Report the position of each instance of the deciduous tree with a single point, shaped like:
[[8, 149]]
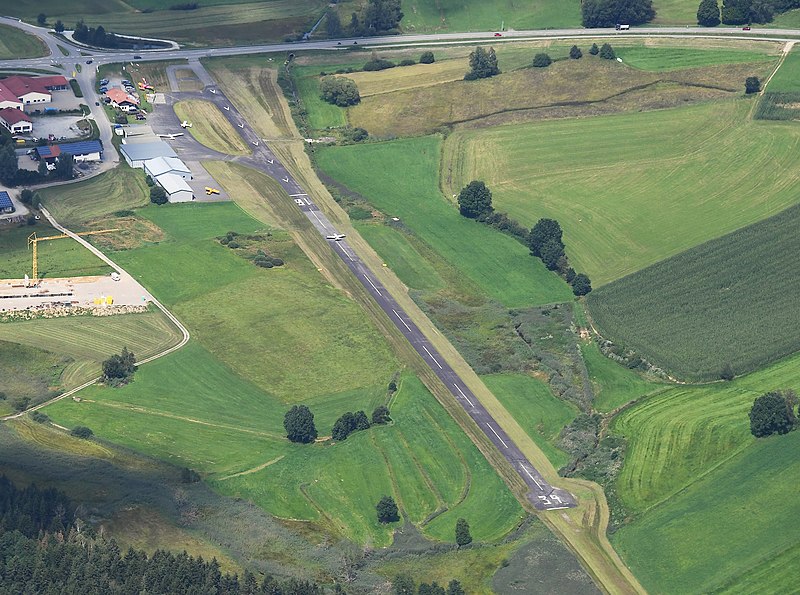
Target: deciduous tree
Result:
[[381, 415], [752, 85], [463, 536], [607, 52], [299, 424], [544, 231], [708, 13], [387, 510], [339, 90], [772, 413], [575, 52], [581, 285], [475, 199], [542, 60], [426, 58], [482, 64]]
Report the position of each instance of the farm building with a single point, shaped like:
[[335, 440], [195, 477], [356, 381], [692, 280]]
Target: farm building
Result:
[[6, 206], [176, 188], [136, 154], [31, 90], [15, 121], [167, 165], [123, 101], [8, 99], [90, 150]]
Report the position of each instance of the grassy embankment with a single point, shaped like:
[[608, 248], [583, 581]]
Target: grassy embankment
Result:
[[691, 467], [217, 22], [726, 302], [210, 127], [204, 406], [16, 44], [630, 181]]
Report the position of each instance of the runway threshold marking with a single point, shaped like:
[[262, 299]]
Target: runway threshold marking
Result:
[[525, 469], [401, 320], [463, 395], [434, 359], [488, 425], [299, 194]]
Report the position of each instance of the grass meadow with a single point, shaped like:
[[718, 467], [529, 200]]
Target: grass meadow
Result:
[[408, 189], [121, 189], [691, 469], [728, 301], [87, 340], [57, 258], [621, 185], [218, 22], [27, 372], [263, 339], [614, 385], [210, 127], [16, 44], [450, 15]]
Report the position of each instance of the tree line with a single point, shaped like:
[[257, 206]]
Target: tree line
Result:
[[376, 18], [545, 239], [300, 427], [11, 175], [46, 548]]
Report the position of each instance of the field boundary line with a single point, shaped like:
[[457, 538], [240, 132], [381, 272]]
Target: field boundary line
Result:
[[99, 253], [253, 470], [787, 48]]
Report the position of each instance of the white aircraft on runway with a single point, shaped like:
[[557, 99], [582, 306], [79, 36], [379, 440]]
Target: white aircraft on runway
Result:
[[271, 161], [227, 109], [170, 136], [213, 91], [186, 124], [241, 125]]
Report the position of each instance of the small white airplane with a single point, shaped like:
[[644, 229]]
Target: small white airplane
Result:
[[241, 125], [286, 180], [214, 91], [255, 142], [170, 136], [271, 161], [186, 124], [335, 237], [227, 109]]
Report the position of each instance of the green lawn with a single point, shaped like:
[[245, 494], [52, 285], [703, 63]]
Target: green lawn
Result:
[[540, 413], [614, 385], [622, 185], [16, 44], [408, 188], [88, 340], [729, 301], [120, 189], [787, 79], [451, 15], [321, 114], [699, 482], [665, 59], [57, 258]]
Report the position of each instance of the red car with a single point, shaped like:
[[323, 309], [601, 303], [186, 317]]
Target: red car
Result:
[[498, 34], [746, 28]]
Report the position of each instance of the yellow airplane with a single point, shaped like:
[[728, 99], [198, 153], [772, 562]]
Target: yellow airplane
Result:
[[211, 190]]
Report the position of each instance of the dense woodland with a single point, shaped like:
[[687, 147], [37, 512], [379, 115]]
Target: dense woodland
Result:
[[45, 548]]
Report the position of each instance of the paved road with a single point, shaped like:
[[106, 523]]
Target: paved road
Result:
[[542, 494]]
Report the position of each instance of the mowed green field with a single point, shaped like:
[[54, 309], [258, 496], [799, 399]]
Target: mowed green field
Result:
[[263, 339], [15, 44], [57, 258], [621, 185], [120, 189], [665, 59], [728, 301], [88, 340], [714, 506], [422, 16], [787, 78], [408, 188]]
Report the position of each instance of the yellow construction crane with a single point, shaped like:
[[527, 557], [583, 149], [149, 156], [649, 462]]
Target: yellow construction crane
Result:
[[34, 241]]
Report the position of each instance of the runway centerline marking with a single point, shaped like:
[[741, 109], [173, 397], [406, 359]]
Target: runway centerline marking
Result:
[[371, 283], [433, 358], [463, 395], [488, 425], [525, 469], [401, 320]]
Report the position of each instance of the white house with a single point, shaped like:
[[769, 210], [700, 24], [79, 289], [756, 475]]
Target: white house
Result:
[[167, 165], [176, 188], [15, 121]]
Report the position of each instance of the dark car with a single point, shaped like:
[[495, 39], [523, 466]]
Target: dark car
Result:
[[137, 57], [97, 103], [89, 61], [746, 28]]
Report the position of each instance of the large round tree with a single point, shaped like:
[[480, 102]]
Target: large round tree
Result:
[[708, 13], [771, 414], [475, 200], [299, 424]]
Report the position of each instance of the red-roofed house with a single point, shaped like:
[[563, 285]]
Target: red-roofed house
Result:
[[8, 99], [15, 120], [120, 99], [30, 90]]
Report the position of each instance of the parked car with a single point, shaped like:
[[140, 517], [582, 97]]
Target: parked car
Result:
[[89, 61], [97, 103], [137, 57]]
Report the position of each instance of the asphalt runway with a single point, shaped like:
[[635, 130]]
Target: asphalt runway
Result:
[[542, 495]]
